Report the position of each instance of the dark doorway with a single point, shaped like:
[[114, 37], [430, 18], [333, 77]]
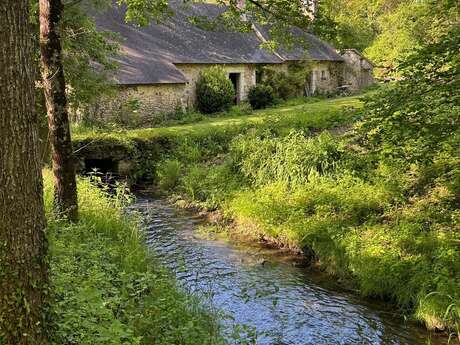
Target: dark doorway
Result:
[[259, 76], [235, 78]]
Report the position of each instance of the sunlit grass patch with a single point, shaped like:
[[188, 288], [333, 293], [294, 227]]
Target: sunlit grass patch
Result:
[[311, 112]]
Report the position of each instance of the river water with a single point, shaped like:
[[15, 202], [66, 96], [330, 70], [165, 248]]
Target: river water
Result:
[[265, 291]]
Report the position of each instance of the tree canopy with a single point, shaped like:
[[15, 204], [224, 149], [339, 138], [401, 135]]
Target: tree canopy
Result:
[[386, 30]]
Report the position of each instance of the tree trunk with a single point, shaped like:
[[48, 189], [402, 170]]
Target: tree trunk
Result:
[[23, 268], [310, 8], [56, 105]]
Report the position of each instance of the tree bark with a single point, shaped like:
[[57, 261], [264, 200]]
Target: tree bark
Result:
[[23, 247], [66, 203], [310, 8]]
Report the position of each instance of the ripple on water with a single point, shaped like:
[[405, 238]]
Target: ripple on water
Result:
[[282, 302]]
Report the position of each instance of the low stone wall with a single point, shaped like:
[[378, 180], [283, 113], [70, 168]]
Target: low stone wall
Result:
[[139, 105], [130, 158]]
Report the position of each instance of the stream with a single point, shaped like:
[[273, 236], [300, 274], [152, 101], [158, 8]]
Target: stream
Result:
[[267, 290]]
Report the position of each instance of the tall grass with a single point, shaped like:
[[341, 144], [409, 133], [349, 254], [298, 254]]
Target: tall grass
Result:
[[392, 232], [106, 287]]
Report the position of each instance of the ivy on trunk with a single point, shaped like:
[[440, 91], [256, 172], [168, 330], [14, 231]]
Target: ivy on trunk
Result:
[[66, 203]]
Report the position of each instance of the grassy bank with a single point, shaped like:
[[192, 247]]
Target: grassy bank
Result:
[[390, 227], [106, 288], [362, 220], [144, 148]]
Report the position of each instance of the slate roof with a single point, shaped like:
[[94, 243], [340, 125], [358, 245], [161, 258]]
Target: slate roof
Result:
[[149, 53], [318, 50]]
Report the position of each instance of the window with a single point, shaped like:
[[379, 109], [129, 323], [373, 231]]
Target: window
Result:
[[323, 75]]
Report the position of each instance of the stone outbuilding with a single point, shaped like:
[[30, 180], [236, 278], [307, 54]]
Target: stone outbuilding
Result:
[[160, 63], [357, 70]]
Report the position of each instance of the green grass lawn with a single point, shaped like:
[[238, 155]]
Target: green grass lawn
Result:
[[310, 113]]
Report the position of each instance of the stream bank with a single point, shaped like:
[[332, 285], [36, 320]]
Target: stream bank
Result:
[[263, 295], [393, 229]]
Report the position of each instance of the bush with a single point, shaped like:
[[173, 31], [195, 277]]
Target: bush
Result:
[[290, 84], [214, 91], [261, 96]]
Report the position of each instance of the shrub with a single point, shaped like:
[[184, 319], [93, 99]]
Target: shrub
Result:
[[168, 173], [261, 96], [290, 84], [214, 91]]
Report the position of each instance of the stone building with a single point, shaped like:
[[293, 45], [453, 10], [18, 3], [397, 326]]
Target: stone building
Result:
[[357, 70], [160, 64]]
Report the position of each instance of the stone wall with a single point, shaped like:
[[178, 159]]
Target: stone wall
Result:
[[139, 105], [158, 98], [358, 71], [325, 76], [146, 105], [192, 72]]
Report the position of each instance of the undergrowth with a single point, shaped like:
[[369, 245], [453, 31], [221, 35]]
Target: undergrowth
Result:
[[107, 289]]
